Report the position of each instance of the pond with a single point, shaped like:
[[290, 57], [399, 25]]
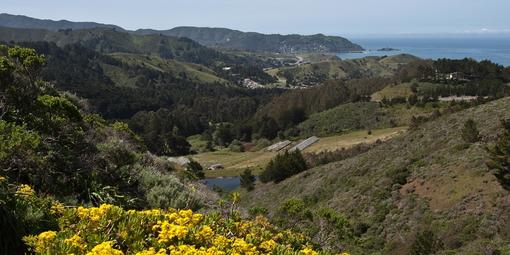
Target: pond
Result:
[[226, 183]]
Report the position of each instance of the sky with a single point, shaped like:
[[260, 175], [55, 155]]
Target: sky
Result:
[[331, 17]]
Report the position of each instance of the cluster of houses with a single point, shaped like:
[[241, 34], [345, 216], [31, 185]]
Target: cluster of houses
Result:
[[251, 84]]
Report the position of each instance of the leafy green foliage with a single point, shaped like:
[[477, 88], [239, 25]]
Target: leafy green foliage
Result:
[[283, 166], [22, 213]]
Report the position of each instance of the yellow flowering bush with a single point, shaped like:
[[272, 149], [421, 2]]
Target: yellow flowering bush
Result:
[[111, 230], [25, 190]]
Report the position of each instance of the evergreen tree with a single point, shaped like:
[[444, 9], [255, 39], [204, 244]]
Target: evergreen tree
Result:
[[283, 166], [499, 153], [196, 169], [470, 133], [248, 180]]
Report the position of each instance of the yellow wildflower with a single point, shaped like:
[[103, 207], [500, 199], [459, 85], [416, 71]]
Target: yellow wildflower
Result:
[[25, 190], [105, 248], [2, 179], [205, 233], [308, 251], [268, 246], [57, 208], [152, 251], [169, 231], [75, 241]]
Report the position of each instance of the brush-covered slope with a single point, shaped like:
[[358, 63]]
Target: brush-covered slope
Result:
[[20, 21], [250, 41], [424, 187]]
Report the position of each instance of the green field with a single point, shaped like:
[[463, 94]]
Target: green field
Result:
[[235, 162]]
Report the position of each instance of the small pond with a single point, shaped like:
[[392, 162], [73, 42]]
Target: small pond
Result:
[[226, 183]]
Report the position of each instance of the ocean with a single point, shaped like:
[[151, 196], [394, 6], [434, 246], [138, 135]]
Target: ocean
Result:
[[494, 49]]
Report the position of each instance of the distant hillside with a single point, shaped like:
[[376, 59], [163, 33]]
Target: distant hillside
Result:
[[251, 41], [108, 40], [219, 37], [20, 21], [315, 73], [425, 186]]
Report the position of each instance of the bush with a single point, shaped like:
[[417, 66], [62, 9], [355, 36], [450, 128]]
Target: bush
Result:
[[195, 169], [23, 212], [236, 146], [111, 230], [247, 180], [499, 153], [165, 191], [470, 133], [283, 166]]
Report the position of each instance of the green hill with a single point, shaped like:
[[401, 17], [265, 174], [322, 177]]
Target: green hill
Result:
[[251, 41], [315, 73], [181, 70], [425, 186], [20, 21]]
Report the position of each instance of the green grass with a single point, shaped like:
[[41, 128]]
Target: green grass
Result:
[[363, 115], [195, 72], [236, 162]]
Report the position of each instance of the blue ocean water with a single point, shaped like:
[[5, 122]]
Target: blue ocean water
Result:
[[495, 49]]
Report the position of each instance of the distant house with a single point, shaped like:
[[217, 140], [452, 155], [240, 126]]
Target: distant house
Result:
[[227, 68], [216, 167]]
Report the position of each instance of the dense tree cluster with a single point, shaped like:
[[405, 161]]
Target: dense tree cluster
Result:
[[283, 166]]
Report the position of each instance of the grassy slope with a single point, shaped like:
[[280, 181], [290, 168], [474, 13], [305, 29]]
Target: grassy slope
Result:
[[361, 115], [194, 72], [448, 188], [402, 90], [236, 162]]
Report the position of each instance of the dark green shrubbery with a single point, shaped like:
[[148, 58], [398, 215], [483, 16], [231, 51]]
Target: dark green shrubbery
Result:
[[284, 166], [470, 133], [248, 180], [499, 153]]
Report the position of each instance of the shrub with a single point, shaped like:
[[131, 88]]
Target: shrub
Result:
[[236, 146], [247, 180], [23, 212], [470, 133], [195, 169], [165, 191], [283, 166], [499, 154], [111, 230]]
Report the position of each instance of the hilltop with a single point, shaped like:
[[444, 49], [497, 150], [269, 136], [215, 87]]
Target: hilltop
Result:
[[21, 21], [251, 41], [425, 181], [217, 37]]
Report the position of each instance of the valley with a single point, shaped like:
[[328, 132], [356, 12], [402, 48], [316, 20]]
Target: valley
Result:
[[199, 140]]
